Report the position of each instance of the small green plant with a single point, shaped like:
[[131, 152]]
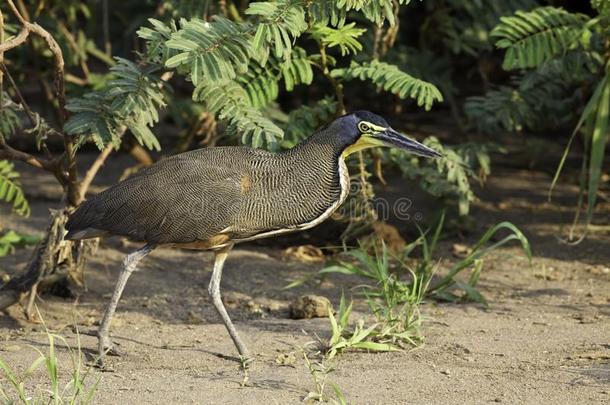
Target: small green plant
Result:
[[75, 391], [395, 301], [11, 239], [442, 288], [361, 337], [320, 369]]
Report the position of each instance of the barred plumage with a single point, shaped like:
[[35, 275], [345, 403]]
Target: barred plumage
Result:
[[234, 191], [213, 198]]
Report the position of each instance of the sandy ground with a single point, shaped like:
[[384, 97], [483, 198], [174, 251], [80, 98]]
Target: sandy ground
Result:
[[543, 338]]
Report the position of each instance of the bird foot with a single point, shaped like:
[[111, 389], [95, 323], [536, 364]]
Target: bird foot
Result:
[[107, 347], [245, 363]]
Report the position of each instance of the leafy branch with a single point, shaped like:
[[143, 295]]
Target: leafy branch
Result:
[[392, 79]]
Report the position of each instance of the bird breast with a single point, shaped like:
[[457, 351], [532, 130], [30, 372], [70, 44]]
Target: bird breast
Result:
[[282, 201]]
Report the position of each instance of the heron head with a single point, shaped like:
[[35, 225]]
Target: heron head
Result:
[[366, 130]]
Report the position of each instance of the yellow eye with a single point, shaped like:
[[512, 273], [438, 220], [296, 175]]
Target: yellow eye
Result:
[[364, 127]]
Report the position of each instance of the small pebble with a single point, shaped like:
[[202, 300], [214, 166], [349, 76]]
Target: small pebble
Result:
[[310, 306]]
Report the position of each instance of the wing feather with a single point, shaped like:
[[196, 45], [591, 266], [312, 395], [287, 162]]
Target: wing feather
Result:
[[183, 199]]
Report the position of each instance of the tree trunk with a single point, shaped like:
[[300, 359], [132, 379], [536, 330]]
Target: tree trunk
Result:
[[56, 265]]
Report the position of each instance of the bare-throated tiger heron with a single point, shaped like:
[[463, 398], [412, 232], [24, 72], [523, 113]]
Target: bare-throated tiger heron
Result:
[[213, 198]]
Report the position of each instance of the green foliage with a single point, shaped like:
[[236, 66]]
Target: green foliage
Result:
[[188, 8], [602, 7], [444, 287], [262, 82], [320, 372], [532, 38], [76, 391], [424, 64], [361, 337], [327, 12], [280, 22], [526, 104], [131, 99], [394, 302], [393, 291], [231, 102], [210, 51], [11, 239], [376, 11], [392, 79], [256, 54], [156, 37], [9, 120], [261, 85], [345, 37], [575, 46], [296, 69], [10, 189]]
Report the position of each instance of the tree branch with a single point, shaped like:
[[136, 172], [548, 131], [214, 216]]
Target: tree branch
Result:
[[93, 169], [6, 152], [15, 41], [69, 156]]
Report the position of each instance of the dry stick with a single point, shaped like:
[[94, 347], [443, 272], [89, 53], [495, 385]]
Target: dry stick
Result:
[[6, 152], [71, 186], [93, 169], [15, 41], [24, 105]]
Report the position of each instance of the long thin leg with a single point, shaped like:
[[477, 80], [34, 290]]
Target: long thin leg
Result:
[[129, 266], [214, 290]]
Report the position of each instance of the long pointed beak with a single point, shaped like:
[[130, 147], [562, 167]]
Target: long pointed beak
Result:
[[395, 139]]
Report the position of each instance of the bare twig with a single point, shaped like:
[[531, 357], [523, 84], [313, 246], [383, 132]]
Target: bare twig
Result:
[[26, 108], [93, 169], [15, 41], [6, 152], [69, 157]]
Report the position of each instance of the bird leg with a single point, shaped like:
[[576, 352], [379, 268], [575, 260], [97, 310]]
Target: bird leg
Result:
[[214, 290], [130, 263]]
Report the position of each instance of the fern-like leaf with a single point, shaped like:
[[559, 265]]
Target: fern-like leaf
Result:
[[262, 82], [9, 120], [327, 12], [376, 11], [296, 69], [280, 23], [131, 99], [346, 37], [216, 50], [156, 37], [392, 79], [531, 38], [230, 102], [10, 189]]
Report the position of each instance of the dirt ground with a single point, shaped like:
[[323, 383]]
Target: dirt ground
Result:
[[543, 338]]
